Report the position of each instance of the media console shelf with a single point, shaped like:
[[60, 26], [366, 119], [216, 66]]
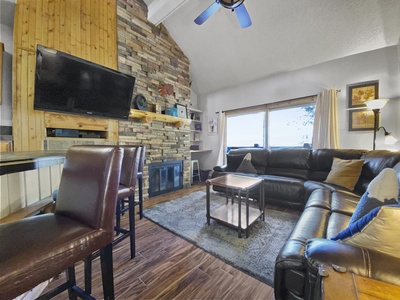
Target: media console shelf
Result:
[[148, 117]]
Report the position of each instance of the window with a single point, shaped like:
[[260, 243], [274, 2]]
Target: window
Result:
[[245, 130], [291, 126]]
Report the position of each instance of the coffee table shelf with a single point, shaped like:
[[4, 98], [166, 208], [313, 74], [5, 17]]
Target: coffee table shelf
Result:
[[229, 215]]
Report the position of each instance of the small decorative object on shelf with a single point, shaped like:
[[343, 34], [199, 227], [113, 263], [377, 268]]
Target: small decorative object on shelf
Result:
[[197, 127], [182, 111], [140, 102], [165, 89]]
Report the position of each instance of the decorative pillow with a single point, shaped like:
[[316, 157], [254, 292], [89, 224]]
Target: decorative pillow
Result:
[[233, 161], [378, 230], [246, 166], [344, 172], [382, 190]]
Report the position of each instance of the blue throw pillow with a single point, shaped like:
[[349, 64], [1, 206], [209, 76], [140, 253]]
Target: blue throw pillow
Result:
[[378, 230], [367, 204]]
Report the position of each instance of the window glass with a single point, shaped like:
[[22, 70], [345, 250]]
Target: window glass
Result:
[[247, 130], [291, 126]]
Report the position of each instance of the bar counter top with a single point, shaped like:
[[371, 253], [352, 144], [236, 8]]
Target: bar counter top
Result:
[[19, 161]]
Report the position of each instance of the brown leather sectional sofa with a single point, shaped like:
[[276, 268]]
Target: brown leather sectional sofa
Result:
[[294, 178]]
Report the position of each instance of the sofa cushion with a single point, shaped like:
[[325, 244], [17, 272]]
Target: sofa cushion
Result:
[[345, 172], [283, 191], [321, 161], [289, 162], [233, 161], [246, 166], [259, 158], [378, 230], [382, 190]]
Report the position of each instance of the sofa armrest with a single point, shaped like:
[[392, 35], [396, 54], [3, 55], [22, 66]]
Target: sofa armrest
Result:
[[222, 168], [357, 260]]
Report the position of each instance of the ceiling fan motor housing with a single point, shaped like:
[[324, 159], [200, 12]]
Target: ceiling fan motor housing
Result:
[[230, 4]]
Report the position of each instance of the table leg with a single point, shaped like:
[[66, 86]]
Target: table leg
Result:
[[233, 196], [208, 184], [247, 213], [240, 214], [226, 194], [263, 201]]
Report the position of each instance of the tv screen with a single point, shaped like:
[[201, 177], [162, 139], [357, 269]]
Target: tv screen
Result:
[[68, 84]]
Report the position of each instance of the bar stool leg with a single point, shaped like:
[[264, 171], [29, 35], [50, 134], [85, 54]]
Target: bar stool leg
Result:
[[107, 272], [140, 181], [71, 279], [132, 225]]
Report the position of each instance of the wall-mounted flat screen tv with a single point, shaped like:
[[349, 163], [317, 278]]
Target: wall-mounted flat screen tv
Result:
[[68, 84]]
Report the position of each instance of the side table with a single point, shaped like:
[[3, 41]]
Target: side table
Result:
[[232, 214]]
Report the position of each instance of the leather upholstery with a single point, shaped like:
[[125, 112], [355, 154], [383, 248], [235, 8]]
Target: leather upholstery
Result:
[[294, 178], [38, 248], [129, 171]]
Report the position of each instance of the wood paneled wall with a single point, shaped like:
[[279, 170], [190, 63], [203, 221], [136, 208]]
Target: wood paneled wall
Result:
[[84, 28]]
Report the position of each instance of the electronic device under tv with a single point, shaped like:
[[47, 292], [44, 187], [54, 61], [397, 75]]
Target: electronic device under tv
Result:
[[68, 84]]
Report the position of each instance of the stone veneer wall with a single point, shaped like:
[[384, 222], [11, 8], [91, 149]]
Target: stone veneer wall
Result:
[[148, 53]]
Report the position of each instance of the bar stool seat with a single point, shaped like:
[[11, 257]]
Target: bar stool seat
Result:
[[192, 170]]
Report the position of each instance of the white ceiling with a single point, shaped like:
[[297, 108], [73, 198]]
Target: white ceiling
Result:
[[285, 35]]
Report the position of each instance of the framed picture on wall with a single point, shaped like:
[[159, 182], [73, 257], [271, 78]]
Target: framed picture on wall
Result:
[[361, 120], [358, 93]]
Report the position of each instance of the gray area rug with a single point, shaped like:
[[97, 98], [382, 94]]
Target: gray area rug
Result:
[[254, 255]]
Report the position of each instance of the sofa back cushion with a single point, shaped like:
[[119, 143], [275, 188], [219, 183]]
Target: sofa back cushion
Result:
[[290, 162], [259, 159], [321, 161], [374, 162]]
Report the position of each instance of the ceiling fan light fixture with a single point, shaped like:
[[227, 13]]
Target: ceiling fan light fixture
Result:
[[231, 4], [235, 5]]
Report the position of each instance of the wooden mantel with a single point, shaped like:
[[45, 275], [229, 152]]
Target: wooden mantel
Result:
[[148, 117]]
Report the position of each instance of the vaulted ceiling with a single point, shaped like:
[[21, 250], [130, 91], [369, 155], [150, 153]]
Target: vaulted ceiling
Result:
[[285, 35]]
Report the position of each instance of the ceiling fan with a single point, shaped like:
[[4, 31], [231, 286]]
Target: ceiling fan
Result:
[[235, 5]]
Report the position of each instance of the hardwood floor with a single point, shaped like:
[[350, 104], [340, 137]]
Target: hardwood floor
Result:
[[168, 267]]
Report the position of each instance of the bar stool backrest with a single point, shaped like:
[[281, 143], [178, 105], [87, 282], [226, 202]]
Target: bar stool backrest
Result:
[[91, 203]]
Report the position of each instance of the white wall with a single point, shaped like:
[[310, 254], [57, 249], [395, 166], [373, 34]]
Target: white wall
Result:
[[6, 37], [379, 65]]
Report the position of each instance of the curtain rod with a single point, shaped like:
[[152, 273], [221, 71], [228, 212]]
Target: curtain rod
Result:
[[265, 104]]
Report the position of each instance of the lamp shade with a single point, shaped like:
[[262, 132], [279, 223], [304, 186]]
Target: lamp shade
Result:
[[376, 104]]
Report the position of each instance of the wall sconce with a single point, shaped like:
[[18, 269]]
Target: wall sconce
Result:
[[376, 105]]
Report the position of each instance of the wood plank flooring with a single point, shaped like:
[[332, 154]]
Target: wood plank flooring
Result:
[[168, 267]]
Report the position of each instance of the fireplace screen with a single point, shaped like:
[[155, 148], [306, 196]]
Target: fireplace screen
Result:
[[165, 177]]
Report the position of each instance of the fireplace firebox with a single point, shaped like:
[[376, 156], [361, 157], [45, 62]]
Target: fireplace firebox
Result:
[[165, 177]]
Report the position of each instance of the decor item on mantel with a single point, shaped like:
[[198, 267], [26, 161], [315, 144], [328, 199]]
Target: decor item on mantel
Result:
[[140, 102], [182, 111], [165, 89]]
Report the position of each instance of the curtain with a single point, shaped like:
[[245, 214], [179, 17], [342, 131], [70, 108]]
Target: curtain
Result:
[[325, 133], [222, 140]]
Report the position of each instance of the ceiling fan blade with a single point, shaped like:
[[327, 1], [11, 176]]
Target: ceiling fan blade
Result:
[[207, 13], [243, 16]]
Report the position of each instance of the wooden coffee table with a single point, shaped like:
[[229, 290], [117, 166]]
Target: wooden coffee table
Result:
[[232, 214]]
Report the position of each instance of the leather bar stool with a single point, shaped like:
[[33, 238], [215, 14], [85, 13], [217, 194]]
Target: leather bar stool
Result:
[[139, 201], [126, 190], [38, 248]]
